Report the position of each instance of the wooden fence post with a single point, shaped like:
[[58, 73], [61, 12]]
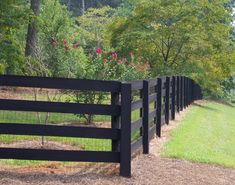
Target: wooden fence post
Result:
[[115, 121], [146, 117], [188, 92], [159, 106], [181, 93], [185, 92], [173, 94], [178, 94], [196, 92], [192, 90], [125, 148], [167, 100], [141, 113]]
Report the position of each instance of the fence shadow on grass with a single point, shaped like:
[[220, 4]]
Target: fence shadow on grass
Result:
[[223, 102], [205, 107]]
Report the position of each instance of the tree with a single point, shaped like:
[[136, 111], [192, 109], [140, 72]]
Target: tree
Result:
[[93, 27], [179, 37], [83, 7], [126, 7], [31, 42], [78, 7], [59, 41]]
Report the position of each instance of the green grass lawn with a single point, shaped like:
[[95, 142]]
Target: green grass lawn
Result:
[[206, 134]]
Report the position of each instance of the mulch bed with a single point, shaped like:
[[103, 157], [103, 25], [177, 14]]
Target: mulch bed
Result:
[[36, 144]]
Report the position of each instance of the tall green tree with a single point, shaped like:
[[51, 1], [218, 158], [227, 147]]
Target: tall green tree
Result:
[[31, 42], [93, 27], [179, 37]]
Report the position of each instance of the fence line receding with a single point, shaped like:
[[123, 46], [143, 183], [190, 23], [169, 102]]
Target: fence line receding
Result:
[[154, 103]]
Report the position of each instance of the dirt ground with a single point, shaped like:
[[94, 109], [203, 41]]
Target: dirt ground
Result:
[[148, 169]]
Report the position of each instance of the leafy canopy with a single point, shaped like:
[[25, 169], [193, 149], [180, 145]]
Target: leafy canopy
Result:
[[183, 37]]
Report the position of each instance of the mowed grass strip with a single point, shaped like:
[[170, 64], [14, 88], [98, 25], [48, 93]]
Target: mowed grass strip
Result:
[[206, 134]]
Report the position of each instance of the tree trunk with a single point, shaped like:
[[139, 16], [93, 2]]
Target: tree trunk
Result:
[[69, 5], [83, 7], [32, 30]]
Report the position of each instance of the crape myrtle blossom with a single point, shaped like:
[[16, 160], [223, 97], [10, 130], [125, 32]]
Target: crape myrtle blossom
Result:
[[99, 51]]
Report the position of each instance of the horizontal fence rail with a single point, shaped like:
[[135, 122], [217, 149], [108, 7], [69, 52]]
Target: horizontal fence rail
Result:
[[154, 102], [40, 106], [59, 155], [60, 83], [62, 131]]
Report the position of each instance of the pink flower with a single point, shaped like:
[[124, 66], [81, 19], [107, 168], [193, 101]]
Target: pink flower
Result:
[[75, 45], [65, 42], [99, 51], [55, 43], [114, 55], [124, 60]]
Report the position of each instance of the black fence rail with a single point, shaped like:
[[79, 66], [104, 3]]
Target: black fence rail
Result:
[[156, 101]]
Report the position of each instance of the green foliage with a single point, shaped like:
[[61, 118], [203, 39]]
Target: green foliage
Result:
[[191, 38], [13, 14], [179, 37], [93, 27], [59, 50], [76, 5], [126, 7], [115, 68], [2, 69], [108, 67], [11, 56]]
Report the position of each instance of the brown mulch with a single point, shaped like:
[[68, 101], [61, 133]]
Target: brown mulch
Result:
[[82, 124], [37, 144], [16, 93], [148, 169], [4, 94]]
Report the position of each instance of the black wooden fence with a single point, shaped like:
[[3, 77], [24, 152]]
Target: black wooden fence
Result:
[[167, 94]]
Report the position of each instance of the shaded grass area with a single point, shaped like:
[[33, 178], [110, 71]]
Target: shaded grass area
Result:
[[27, 117], [206, 134]]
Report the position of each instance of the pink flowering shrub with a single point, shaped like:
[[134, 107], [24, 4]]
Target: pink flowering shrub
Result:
[[114, 67], [110, 67], [65, 57]]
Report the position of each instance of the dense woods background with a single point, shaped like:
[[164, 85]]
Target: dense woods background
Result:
[[120, 39]]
